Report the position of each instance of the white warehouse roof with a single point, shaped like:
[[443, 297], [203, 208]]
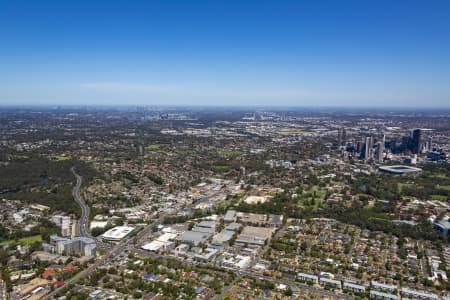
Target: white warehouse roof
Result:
[[117, 233]]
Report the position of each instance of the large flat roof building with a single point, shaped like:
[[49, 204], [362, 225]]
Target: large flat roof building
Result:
[[254, 236], [118, 233], [194, 237]]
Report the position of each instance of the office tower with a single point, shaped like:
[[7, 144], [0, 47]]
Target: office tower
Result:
[[416, 141], [430, 143], [381, 145], [344, 137], [380, 152], [359, 147], [369, 148], [339, 136]]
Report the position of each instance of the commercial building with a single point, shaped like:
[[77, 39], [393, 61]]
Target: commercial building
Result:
[[222, 237], [71, 246], [194, 237], [206, 227], [254, 236], [235, 261], [260, 219], [206, 255], [368, 154], [230, 216], [181, 249], [160, 244], [117, 234], [416, 140]]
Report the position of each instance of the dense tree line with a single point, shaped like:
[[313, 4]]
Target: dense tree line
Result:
[[374, 219], [33, 178]]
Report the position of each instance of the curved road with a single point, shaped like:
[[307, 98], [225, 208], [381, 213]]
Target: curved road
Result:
[[84, 220]]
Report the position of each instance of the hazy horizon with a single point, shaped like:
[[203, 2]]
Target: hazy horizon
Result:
[[257, 53]]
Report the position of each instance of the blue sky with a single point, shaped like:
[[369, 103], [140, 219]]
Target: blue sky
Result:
[[296, 53]]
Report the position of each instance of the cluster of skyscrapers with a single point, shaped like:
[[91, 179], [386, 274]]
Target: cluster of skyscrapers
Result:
[[376, 148]]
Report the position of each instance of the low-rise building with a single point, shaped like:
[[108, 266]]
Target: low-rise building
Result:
[[117, 234], [382, 296], [71, 246], [308, 278], [194, 237], [353, 287], [254, 236], [330, 282], [418, 294], [383, 287]]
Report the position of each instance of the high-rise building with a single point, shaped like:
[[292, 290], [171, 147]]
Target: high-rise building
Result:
[[380, 149], [342, 136], [369, 148], [416, 140], [339, 136], [380, 152], [359, 147]]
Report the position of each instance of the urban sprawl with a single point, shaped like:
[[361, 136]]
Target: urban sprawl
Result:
[[226, 203]]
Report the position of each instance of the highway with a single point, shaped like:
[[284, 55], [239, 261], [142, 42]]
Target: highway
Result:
[[84, 220]]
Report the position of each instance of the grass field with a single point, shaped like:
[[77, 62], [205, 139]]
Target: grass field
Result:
[[442, 176], [439, 197], [153, 147], [28, 240], [401, 185], [221, 168], [308, 195], [443, 187], [61, 157], [231, 152]]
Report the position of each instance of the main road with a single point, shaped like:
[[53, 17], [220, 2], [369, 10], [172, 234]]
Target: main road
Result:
[[84, 220], [110, 255]]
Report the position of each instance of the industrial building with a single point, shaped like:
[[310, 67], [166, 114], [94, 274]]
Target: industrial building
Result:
[[254, 236], [194, 237], [160, 244]]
